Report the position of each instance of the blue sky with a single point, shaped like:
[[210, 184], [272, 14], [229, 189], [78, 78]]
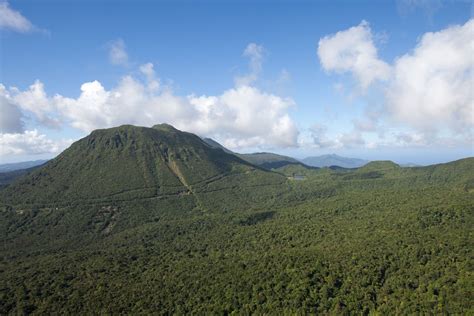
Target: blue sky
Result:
[[256, 76]]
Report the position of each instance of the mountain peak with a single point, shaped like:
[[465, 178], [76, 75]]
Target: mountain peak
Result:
[[165, 127], [380, 165]]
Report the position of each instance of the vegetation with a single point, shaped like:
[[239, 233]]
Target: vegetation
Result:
[[137, 220]]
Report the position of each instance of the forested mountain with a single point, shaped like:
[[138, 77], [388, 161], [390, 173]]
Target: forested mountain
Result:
[[334, 160], [131, 162], [155, 221]]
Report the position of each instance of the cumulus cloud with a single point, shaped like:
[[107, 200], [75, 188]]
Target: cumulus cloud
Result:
[[241, 116], [11, 118], [246, 117], [353, 51], [117, 53], [13, 20], [30, 143], [35, 101], [432, 86], [130, 102], [428, 90]]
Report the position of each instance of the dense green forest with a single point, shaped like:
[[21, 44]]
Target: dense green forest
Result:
[[136, 220]]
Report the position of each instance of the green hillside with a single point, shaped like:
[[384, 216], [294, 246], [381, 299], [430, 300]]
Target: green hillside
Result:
[[134, 220], [129, 162]]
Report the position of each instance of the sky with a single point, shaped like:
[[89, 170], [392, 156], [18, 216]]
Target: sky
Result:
[[378, 80]]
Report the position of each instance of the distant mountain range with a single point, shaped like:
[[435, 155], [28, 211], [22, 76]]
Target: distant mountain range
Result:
[[20, 165], [334, 160], [271, 160], [263, 159]]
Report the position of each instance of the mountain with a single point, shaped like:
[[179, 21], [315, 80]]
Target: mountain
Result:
[[20, 165], [334, 160], [129, 162], [263, 159]]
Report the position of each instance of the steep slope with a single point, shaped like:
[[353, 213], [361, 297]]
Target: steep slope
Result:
[[334, 160], [127, 162], [215, 144]]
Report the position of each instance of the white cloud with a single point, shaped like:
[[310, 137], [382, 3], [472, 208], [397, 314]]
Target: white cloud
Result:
[[35, 100], [149, 72], [319, 137], [429, 91], [410, 139], [353, 51], [131, 102], [242, 116], [30, 143], [11, 117], [246, 117], [117, 53], [432, 87], [255, 54], [13, 20]]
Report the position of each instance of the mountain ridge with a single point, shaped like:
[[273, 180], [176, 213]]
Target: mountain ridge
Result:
[[334, 160]]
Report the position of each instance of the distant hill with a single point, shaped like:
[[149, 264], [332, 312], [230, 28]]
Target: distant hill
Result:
[[269, 160], [9, 176], [20, 165], [334, 160], [262, 159], [379, 165]]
